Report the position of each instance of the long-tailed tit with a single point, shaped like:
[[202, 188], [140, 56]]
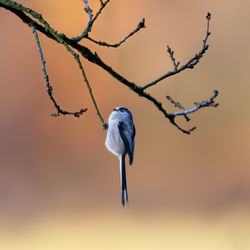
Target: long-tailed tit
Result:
[[120, 141]]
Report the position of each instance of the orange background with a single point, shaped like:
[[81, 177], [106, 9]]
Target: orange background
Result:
[[59, 186]]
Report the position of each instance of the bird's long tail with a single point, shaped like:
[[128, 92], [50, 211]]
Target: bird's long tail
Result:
[[124, 195]]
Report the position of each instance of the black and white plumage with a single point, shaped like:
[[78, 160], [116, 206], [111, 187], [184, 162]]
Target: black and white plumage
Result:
[[120, 141]]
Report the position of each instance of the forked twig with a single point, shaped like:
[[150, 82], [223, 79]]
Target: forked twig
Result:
[[189, 64], [91, 19], [198, 105]]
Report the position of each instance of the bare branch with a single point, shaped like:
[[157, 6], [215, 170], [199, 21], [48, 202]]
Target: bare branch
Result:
[[45, 28], [190, 64], [139, 26], [49, 89], [91, 19], [198, 105]]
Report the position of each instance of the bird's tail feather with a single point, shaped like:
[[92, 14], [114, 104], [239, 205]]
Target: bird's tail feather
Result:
[[124, 195]]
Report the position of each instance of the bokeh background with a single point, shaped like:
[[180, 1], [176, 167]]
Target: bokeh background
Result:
[[59, 186]]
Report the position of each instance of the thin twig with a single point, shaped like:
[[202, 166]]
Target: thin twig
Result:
[[190, 64], [177, 105], [88, 10], [171, 54], [49, 89], [139, 26], [91, 19], [77, 58], [103, 5]]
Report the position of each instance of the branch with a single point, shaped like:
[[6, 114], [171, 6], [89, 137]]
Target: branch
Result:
[[91, 19], [44, 28], [188, 65], [139, 26], [198, 105], [49, 89]]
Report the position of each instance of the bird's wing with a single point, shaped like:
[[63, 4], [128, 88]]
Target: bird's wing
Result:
[[127, 140]]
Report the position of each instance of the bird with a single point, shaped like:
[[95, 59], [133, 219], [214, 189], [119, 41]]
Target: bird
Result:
[[120, 141]]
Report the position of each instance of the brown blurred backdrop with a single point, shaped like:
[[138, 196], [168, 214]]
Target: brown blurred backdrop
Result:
[[59, 186]]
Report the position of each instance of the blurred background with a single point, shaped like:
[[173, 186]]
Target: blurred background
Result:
[[59, 186]]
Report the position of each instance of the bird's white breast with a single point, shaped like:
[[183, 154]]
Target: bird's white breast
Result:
[[114, 141]]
